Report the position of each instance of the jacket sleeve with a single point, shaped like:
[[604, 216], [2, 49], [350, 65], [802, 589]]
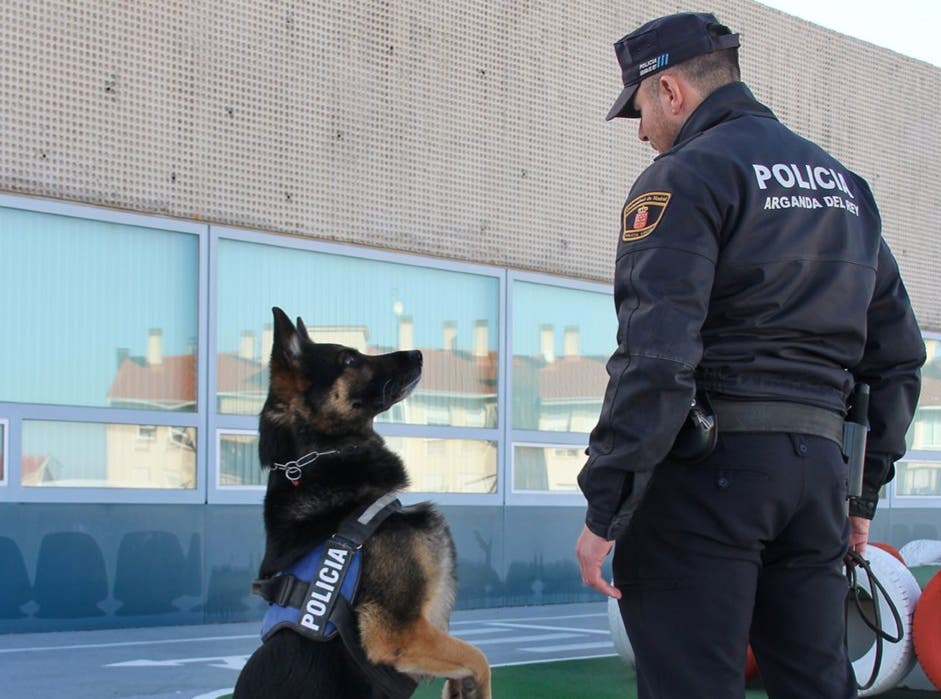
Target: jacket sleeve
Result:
[[891, 365], [663, 280]]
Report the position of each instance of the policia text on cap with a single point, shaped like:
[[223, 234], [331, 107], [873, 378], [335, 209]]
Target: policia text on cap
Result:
[[750, 268]]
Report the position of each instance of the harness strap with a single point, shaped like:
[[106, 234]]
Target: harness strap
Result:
[[394, 684], [286, 590], [778, 416]]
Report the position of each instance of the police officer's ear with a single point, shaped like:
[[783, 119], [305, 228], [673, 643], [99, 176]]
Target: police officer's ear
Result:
[[678, 96]]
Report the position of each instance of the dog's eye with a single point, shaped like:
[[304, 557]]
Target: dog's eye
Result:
[[349, 359]]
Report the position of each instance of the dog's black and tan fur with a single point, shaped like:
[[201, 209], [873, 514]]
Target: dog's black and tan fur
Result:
[[323, 397]]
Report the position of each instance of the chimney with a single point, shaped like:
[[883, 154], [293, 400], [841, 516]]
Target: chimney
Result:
[[123, 353], [247, 345], [449, 342], [480, 339], [547, 343], [570, 342], [155, 347], [267, 340], [406, 333]]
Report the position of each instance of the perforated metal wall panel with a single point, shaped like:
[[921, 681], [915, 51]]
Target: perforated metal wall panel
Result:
[[471, 131]]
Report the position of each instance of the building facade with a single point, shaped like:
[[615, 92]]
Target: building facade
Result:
[[400, 175]]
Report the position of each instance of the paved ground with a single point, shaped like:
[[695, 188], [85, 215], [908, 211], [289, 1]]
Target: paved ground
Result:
[[202, 662]]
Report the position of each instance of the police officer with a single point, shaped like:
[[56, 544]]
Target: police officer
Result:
[[750, 266]]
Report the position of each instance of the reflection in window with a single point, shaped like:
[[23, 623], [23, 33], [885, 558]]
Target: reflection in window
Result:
[[238, 460], [549, 468], [3, 452], [104, 314], [448, 465], [107, 455], [925, 432], [562, 339], [917, 478], [374, 306]]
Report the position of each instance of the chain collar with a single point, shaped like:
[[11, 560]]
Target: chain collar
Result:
[[293, 470]]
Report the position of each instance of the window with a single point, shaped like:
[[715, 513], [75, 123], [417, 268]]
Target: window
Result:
[[554, 469], [448, 465], [100, 379], [238, 460], [919, 473], [104, 313], [373, 305], [561, 338], [106, 455], [447, 430]]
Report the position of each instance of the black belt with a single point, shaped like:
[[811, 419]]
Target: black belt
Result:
[[776, 416]]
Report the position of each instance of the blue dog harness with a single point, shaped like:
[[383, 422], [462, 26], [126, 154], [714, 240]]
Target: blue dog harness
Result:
[[329, 570], [315, 595]]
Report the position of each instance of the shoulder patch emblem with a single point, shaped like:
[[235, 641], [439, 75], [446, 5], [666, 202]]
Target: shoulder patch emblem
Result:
[[642, 214]]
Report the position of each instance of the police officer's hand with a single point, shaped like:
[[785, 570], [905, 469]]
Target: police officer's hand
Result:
[[591, 550], [859, 534]]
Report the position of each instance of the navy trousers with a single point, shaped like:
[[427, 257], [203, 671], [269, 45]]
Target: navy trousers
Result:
[[746, 546]]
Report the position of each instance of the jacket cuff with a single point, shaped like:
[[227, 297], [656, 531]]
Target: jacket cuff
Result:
[[862, 507], [598, 523]]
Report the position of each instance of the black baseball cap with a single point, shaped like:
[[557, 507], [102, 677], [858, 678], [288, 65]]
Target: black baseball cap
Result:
[[661, 44]]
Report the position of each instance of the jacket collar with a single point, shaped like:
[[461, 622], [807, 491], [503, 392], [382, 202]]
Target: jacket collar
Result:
[[723, 104]]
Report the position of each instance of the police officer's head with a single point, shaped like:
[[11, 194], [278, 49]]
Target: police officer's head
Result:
[[668, 66]]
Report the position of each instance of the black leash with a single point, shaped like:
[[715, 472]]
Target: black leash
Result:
[[852, 561]]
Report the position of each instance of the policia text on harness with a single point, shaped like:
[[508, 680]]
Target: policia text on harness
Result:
[[314, 596]]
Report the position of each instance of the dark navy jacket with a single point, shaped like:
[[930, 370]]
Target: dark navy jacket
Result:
[[751, 261]]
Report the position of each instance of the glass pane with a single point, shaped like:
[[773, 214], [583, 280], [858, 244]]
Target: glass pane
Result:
[[917, 478], [925, 432], [3, 453], [562, 339], [373, 306], [551, 468], [97, 314], [104, 455], [448, 465], [238, 460]]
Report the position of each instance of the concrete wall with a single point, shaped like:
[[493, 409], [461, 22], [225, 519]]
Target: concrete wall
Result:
[[472, 131]]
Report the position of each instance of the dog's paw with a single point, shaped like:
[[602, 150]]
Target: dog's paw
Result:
[[464, 688]]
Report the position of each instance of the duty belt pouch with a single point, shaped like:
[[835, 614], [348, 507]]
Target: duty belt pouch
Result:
[[697, 437]]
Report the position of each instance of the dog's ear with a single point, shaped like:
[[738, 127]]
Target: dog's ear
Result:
[[302, 329], [286, 344]]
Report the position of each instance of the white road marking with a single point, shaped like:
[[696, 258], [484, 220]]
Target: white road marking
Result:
[[526, 639], [122, 644], [215, 694], [528, 618], [572, 646], [477, 632], [549, 628], [229, 662]]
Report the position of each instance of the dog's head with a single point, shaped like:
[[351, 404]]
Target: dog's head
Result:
[[329, 389]]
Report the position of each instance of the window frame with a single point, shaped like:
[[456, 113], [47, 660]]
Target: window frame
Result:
[[210, 424], [4, 453], [225, 423], [542, 438], [17, 413]]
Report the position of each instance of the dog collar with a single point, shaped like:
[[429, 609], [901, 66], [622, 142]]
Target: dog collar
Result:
[[293, 470]]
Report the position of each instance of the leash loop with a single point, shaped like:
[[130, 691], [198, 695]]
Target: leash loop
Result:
[[852, 561]]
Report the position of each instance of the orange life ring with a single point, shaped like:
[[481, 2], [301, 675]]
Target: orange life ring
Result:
[[926, 630]]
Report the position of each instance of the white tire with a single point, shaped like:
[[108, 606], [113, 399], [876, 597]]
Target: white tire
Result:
[[922, 552], [898, 659], [622, 644]]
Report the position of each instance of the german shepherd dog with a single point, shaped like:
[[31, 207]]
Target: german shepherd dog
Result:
[[323, 398]]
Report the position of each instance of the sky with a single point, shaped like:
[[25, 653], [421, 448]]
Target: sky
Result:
[[909, 27]]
